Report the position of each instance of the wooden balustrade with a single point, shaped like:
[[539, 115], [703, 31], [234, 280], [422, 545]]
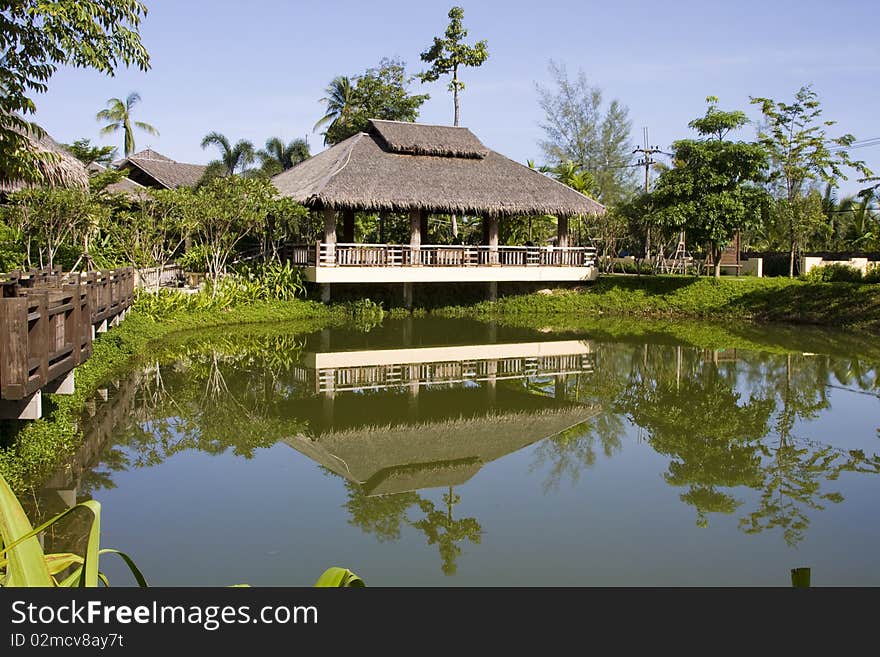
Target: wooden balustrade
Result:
[[48, 320], [439, 255]]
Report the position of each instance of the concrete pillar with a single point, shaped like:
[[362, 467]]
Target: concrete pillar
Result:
[[408, 296], [348, 225], [413, 396], [492, 382], [29, 408], [492, 291], [63, 385], [325, 292], [562, 232], [330, 234]]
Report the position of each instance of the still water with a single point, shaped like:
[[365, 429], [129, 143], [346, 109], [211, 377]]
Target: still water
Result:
[[450, 452]]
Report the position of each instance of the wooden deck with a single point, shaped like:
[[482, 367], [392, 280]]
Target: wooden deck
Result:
[[48, 320]]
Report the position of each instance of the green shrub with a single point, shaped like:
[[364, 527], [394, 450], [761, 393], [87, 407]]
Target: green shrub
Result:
[[195, 259], [365, 314], [834, 273], [873, 275]]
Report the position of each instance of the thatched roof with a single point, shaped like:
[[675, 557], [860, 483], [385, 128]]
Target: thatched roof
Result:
[[393, 459], [58, 169], [126, 186], [402, 166], [152, 169]]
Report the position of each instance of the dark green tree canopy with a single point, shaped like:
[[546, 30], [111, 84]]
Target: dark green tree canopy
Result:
[[37, 36], [712, 191], [450, 53], [232, 157], [380, 93]]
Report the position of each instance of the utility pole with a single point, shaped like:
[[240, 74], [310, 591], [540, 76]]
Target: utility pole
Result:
[[646, 160]]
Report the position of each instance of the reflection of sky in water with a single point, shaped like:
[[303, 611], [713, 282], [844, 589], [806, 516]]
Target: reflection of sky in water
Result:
[[591, 506]]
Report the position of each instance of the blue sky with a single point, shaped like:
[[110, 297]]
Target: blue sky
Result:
[[256, 69]]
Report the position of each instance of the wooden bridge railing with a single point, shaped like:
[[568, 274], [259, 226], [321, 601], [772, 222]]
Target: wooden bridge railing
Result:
[[48, 320], [438, 255]]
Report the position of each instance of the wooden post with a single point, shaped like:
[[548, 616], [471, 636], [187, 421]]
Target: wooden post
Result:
[[348, 225], [562, 232], [423, 215], [72, 322], [13, 347], [415, 236], [493, 240], [330, 235]]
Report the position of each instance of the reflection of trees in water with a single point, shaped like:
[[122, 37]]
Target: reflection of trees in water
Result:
[[717, 438], [385, 515], [209, 397]]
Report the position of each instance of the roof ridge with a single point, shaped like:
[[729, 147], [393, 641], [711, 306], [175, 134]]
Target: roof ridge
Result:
[[426, 125]]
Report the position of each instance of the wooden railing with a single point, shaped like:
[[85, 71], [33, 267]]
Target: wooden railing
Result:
[[48, 320], [438, 255]]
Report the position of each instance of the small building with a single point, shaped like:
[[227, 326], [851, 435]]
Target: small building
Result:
[[151, 169], [420, 170]]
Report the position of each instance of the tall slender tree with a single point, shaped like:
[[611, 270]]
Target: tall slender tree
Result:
[[580, 128], [118, 116], [231, 157], [802, 156], [449, 54]]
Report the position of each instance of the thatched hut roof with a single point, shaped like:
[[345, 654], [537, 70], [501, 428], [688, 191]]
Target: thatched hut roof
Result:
[[152, 169], [397, 458], [397, 166], [59, 169]]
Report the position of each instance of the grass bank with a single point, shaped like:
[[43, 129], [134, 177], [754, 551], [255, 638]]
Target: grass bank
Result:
[[32, 452], [782, 300]]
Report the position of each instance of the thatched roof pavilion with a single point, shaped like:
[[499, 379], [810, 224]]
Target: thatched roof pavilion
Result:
[[57, 167], [399, 167], [150, 168]]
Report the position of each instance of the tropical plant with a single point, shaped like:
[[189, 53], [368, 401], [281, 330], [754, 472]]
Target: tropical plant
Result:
[[231, 157], [339, 103], [36, 36], [23, 562], [448, 54], [118, 116], [50, 219], [278, 156], [379, 93]]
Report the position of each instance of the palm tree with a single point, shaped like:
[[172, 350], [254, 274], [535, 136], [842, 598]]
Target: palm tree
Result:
[[277, 157], [118, 115], [231, 157], [339, 101]]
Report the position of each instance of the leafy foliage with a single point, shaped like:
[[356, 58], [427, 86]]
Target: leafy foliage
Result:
[[712, 190], [834, 273], [802, 155], [232, 158], [379, 93], [37, 36]]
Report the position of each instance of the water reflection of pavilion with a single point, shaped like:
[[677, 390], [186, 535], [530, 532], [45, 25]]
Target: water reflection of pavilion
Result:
[[396, 420]]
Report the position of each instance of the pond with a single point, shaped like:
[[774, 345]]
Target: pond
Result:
[[452, 452]]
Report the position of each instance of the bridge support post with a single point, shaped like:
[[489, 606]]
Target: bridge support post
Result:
[[408, 296], [325, 292], [492, 291]]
